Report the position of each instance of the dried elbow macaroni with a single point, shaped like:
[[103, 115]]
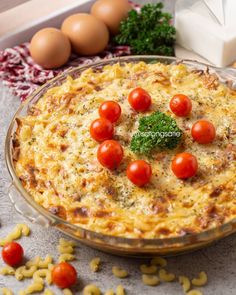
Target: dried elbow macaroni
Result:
[[119, 273], [66, 246], [146, 269], [159, 261], [23, 272], [91, 290], [45, 273], [150, 280], [45, 263], [51, 266], [25, 230], [65, 249], [39, 262], [185, 282], [109, 292], [201, 280], [6, 291], [48, 292], [120, 290], [95, 264], [18, 231], [194, 292], [7, 271], [67, 292], [33, 262], [165, 276], [40, 269], [65, 243], [66, 257], [35, 287]]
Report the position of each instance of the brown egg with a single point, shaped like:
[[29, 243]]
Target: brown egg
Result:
[[111, 12], [88, 35], [50, 48]]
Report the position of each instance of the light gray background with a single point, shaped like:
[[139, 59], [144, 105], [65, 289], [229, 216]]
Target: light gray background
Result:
[[8, 4], [219, 260]]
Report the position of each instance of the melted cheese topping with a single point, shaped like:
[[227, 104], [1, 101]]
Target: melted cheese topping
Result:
[[55, 156]]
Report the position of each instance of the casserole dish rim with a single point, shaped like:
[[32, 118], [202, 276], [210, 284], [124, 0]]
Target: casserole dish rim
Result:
[[177, 242]]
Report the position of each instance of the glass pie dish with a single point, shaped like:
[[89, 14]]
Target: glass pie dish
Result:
[[26, 205]]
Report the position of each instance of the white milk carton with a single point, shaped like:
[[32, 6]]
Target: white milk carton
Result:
[[208, 27]]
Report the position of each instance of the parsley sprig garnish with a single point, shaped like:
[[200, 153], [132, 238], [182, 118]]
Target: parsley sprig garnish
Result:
[[148, 32], [156, 131]]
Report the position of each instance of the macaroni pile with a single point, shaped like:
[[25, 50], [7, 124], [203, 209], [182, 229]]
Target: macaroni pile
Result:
[[39, 270]]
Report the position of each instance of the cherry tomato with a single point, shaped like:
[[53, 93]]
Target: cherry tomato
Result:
[[110, 110], [203, 131], [12, 254], [139, 99], [110, 154], [101, 129], [181, 105], [184, 165], [64, 275], [139, 172]]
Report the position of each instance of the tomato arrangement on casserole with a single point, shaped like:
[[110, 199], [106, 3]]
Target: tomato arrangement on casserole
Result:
[[134, 150]]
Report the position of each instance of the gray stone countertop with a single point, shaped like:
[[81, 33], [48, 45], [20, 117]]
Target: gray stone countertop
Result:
[[218, 261]]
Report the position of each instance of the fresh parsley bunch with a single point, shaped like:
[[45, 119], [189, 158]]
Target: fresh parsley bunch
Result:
[[156, 131], [148, 32]]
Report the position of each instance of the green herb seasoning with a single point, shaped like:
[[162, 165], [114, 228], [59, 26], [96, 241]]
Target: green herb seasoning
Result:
[[148, 32], [157, 131]]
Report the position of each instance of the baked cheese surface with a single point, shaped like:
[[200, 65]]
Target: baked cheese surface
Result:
[[56, 159]]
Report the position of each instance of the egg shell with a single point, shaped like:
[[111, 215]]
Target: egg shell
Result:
[[88, 35], [111, 12], [50, 48]]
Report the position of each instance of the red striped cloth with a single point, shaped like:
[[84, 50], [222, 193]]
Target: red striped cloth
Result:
[[22, 75]]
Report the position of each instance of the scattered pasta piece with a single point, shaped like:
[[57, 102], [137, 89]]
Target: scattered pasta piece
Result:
[[185, 282], [201, 280], [165, 276], [18, 273], [150, 280], [2, 242], [6, 291], [66, 246], [7, 271], [194, 292], [28, 273], [48, 292], [146, 269], [33, 288], [120, 290], [95, 264], [14, 235], [109, 292], [33, 262], [17, 232], [67, 292], [51, 266], [45, 273], [159, 261], [44, 263], [66, 257], [65, 243], [91, 290], [22, 272], [119, 272], [25, 230], [65, 249]]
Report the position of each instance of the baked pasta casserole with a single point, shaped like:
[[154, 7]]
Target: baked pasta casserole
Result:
[[55, 156]]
